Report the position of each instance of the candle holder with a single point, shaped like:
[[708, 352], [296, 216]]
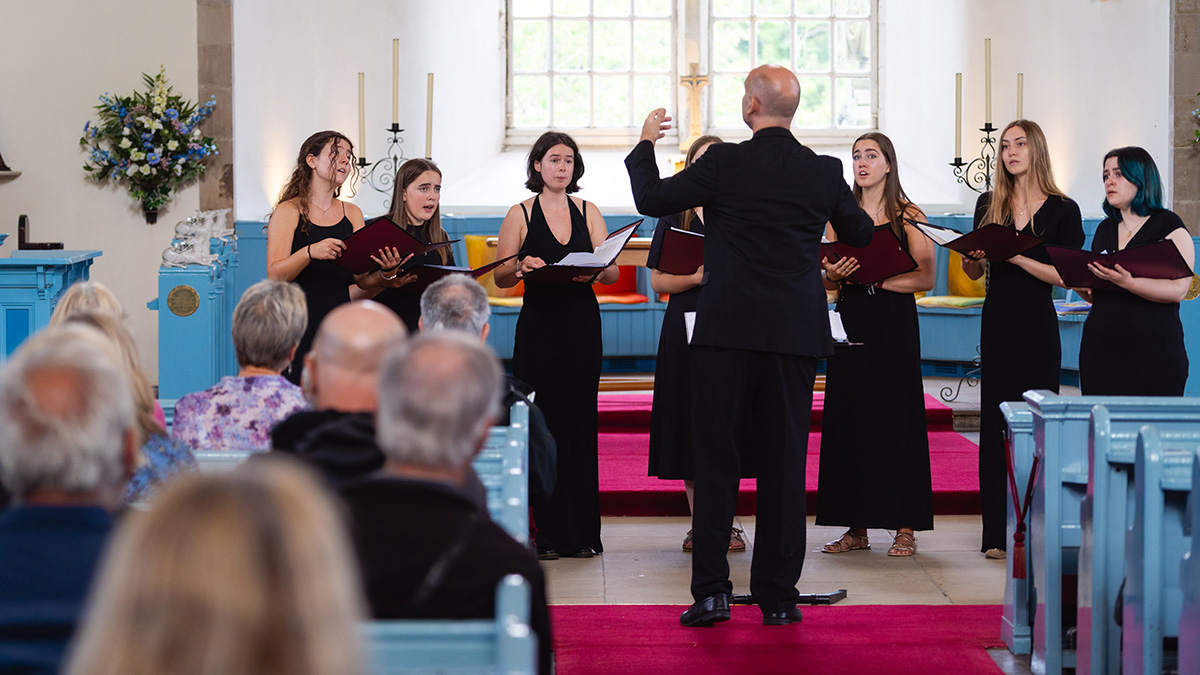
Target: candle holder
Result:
[[382, 174], [977, 173]]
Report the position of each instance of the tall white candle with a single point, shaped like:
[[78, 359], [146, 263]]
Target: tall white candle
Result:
[[1020, 95], [362, 120], [957, 115], [987, 81], [429, 118], [395, 82]]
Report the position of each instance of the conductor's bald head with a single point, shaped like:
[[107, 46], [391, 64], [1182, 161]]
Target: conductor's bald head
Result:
[[342, 369], [772, 96]]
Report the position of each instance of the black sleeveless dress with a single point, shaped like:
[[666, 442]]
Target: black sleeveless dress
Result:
[[325, 284], [1132, 346], [1019, 350], [874, 440], [557, 351], [405, 303]]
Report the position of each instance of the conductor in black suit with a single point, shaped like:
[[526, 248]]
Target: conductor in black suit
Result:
[[760, 327]]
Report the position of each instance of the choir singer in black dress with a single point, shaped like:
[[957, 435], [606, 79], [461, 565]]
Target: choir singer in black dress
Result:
[[875, 473], [761, 324], [557, 348], [306, 231], [1133, 338], [1019, 347], [671, 416]]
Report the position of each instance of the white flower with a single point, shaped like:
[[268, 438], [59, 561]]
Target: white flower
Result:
[[172, 145], [145, 170], [155, 125], [137, 155], [133, 168], [125, 131], [126, 143], [178, 169], [195, 133]]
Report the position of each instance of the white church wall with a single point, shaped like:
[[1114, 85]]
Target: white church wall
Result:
[[295, 73], [1095, 78], [59, 56]]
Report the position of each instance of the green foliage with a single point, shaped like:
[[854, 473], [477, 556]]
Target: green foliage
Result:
[[150, 140]]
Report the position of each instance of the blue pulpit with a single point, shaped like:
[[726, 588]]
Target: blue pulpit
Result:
[[31, 282]]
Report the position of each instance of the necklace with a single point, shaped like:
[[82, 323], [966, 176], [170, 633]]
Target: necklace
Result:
[[1131, 230], [324, 210]]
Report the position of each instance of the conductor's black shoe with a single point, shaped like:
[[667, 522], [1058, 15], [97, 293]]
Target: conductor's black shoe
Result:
[[584, 552], [782, 618], [706, 612], [547, 554]]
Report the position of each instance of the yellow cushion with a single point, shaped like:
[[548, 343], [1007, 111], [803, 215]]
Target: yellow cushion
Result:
[[480, 254], [958, 282], [955, 301], [506, 302]]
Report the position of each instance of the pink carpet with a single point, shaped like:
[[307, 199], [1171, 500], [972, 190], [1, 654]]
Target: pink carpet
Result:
[[637, 639], [626, 490]]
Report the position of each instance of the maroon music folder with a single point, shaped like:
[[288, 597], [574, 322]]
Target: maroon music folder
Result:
[[428, 274], [682, 252], [1160, 260], [380, 233], [581, 263], [997, 241], [883, 257]]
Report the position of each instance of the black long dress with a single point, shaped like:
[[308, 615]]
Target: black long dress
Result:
[[1132, 346], [557, 351], [1019, 350], [325, 284], [671, 415], [405, 303], [874, 441]]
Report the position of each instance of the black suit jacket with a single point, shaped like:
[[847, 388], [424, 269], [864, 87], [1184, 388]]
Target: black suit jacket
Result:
[[766, 202]]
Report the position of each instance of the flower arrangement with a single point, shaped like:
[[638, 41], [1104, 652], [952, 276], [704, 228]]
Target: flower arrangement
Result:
[[151, 140]]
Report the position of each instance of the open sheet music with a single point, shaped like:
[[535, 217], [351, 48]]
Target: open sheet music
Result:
[[883, 257], [582, 263], [380, 233], [428, 274], [997, 241], [1160, 260]]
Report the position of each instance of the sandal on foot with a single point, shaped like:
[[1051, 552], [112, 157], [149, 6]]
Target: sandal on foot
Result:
[[687, 542], [847, 542], [904, 545], [737, 543]]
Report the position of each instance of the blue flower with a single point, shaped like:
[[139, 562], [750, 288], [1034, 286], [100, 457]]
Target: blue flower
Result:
[[172, 113]]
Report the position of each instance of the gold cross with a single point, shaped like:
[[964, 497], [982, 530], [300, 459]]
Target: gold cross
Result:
[[694, 82]]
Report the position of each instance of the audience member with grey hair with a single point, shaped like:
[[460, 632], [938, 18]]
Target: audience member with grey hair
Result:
[[438, 394], [458, 303], [239, 412], [68, 445]]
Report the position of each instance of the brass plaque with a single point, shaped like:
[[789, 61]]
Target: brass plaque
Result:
[[183, 300]]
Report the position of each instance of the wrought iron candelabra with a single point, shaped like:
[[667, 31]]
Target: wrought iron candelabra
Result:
[[382, 174], [977, 173]]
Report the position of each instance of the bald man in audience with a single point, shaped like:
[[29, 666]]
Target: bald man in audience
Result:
[[760, 326], [68, 445], [457, 302], [340, 381], [438, 395]]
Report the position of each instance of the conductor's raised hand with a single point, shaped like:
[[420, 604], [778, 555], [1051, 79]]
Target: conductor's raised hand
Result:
[[656, 125], [839, 270], [529, 264], [327, 249]]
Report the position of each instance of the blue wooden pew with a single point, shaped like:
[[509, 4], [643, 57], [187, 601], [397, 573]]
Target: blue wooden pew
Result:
[[502, 466], [1016, 623], [1154, 550], [504, 644], [1189, 615], [1105, 513]]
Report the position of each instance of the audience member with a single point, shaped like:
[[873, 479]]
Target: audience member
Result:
[[238, 412], [68, 445], [457, 302], [438, 394], [340, 372], [163, 458], [244, 573]]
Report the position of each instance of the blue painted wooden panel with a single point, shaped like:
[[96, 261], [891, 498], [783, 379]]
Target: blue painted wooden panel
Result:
[[1189, 615], [31, 283], [189, 347], [1016, 623], [18, 326]]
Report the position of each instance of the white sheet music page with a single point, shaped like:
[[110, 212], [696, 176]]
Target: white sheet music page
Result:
[[836, 327]]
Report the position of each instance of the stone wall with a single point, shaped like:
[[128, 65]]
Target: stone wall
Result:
[[1185, 82], [214, 33]]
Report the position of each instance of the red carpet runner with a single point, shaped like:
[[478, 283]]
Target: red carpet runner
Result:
[[636, 639], [626, 490]]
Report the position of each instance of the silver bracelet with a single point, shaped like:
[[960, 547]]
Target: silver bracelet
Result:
[[387, 278]]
